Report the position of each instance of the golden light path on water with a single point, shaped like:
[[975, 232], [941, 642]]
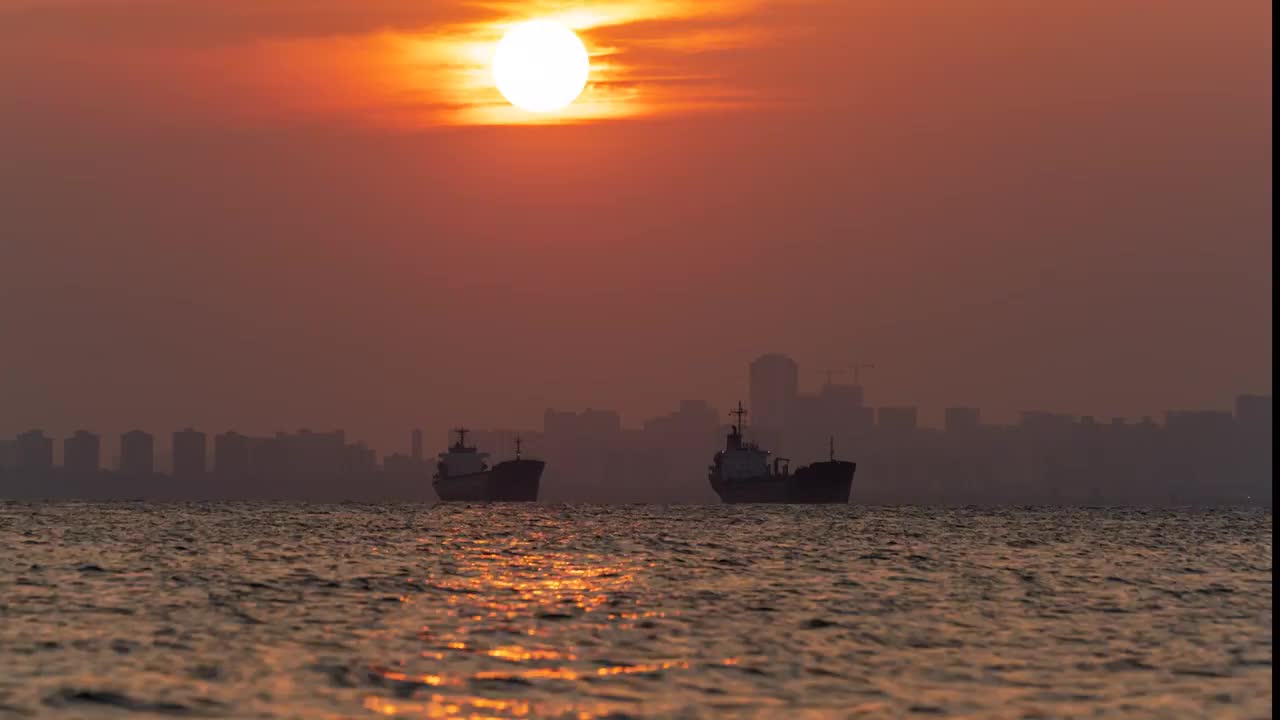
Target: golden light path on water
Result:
[[500, 585]]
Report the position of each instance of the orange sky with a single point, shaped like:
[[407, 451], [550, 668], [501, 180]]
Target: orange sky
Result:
[[213, 210], [407, 66]]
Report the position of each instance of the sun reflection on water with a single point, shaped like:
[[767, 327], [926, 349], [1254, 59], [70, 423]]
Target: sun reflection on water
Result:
[[477, 708], [510, 628]]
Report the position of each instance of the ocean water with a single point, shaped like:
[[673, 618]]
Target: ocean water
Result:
[[280, 611]]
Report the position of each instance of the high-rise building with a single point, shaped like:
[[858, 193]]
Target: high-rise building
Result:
[[897, 419], [1198, 421], [190, 454], [82, 452], [358, 458], [35, 451], [308, 453], [775, 383], [1253, 420], [842, 411], [416, 445], [231, 455], [8, 454], [396, 463], [268, 457], [1253, 413], [589, 428], [696, 423], [961, 419], [1046, 423], [137, 453]]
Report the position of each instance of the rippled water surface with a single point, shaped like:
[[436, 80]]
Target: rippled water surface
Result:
[[585, 612]]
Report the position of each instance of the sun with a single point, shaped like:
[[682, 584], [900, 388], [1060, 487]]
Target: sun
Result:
[[541, 66]]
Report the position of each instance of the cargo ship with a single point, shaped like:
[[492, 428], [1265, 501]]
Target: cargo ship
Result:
[[463, 475], [743, 473]]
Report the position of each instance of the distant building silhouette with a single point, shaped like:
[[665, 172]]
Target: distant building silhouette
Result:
[[843, 408], [305, 464], [401, 464], [695, 417], [1192, 422], [774, 386], [359, 458], [412, 464], [1253, 412], [666, 460], [82, 452], [844, 401], [1253, 415], [587, 427], [415, 446], [837, 411], [310, 452], [35, 451], [1200, 456], [190, 454], [267, 457], [1045, 423], [231, 455], [8, 454], [962, 419], [584, 451], [901, 420], [137, 453]]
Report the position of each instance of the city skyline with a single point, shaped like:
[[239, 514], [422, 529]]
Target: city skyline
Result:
[[921, 418], [809, 383], [1184, 456]]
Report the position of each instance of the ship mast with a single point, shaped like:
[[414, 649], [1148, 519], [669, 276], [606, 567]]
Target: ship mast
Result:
[[462, 436], [740, 413]]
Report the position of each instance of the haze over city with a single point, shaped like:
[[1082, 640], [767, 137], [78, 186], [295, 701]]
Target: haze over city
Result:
[[260, 217]]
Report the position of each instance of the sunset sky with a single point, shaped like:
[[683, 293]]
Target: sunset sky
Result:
[[267, 214]]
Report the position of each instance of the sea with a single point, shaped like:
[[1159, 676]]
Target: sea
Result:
[[585, 612]]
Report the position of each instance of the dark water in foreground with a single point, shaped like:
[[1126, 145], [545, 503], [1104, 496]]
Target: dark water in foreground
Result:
[[585, 612]]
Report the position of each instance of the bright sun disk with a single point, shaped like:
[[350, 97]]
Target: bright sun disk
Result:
[[541, 66]]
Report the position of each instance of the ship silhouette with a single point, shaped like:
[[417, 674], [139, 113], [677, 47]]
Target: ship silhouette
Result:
[[742, 473], [463, 475]]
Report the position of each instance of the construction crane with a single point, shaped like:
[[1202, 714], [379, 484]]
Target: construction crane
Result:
[[856, 369]]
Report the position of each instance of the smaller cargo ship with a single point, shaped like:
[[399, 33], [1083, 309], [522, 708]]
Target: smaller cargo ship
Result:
[[463, 475], [742, 473]]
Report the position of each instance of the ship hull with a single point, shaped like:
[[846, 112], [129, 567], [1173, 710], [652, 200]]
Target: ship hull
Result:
[[510, 481], [822, 483]]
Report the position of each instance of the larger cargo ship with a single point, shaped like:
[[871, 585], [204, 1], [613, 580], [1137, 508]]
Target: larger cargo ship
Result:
[[743, 473], [463, 475]]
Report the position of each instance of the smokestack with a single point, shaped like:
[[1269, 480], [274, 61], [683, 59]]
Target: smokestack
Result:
[[417, 445]]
